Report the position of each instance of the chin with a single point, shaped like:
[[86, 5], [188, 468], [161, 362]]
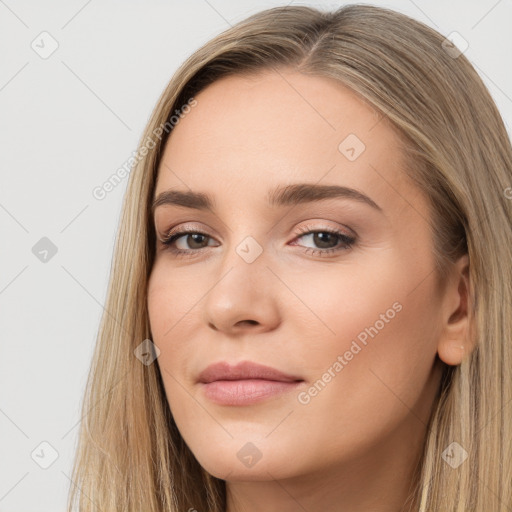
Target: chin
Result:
[[243, 461]]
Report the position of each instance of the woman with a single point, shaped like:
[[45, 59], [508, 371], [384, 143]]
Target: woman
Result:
[[310, 302]]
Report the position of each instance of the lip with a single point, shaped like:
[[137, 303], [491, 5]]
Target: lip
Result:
[[244, 383], [243, 370]]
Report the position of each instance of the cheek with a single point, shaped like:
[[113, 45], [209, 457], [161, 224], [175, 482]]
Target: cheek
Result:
[[174, 310], [336, 306], [384, 330], [167, 311], [173, 300], [163, 331]]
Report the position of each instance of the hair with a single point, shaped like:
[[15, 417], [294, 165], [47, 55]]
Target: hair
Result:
[[130, 454]]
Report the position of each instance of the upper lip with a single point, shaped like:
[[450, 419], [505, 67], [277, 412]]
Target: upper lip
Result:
[[243, 370]]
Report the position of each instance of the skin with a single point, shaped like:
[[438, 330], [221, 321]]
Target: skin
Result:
[[358, 440]]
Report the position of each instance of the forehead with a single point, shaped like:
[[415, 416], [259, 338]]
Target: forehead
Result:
[[256, 132]]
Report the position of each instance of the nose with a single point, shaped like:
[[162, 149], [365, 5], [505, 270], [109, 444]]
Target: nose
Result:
[[245, 295]]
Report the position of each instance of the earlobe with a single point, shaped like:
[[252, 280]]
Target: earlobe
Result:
[[455, 341], [451, 352]]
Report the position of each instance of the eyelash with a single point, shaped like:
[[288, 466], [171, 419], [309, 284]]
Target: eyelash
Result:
[[346, 240]]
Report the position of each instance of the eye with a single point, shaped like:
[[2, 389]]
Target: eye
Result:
[[327, 240], [189, 241], [192, 241]]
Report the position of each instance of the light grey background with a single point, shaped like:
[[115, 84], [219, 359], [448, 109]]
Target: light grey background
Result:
[[68, 122]]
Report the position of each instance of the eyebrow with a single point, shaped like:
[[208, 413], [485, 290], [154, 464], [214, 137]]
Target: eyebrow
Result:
[[295, 194]]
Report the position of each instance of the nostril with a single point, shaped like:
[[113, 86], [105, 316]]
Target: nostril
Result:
[[251, 322]]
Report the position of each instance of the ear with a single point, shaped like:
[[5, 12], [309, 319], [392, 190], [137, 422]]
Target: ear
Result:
[[455, 341]]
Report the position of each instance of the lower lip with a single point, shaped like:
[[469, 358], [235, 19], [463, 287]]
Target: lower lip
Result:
[[245, 392]]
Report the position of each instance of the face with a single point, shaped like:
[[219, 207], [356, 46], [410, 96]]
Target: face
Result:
[[313, 257]]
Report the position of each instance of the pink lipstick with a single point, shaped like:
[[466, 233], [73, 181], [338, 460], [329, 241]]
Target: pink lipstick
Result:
[[245, 383]]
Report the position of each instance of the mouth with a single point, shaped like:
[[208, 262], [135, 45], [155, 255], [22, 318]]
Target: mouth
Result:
[[245, 383]]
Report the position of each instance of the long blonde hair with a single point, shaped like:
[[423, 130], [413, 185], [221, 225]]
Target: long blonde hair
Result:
[[130, 455]]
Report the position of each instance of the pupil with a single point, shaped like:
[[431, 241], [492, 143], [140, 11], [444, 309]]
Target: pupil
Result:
[[195, 236], [322, 238]]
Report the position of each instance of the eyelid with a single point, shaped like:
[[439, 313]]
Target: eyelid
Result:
[[346, 230], [303, 229], [185, 227]]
